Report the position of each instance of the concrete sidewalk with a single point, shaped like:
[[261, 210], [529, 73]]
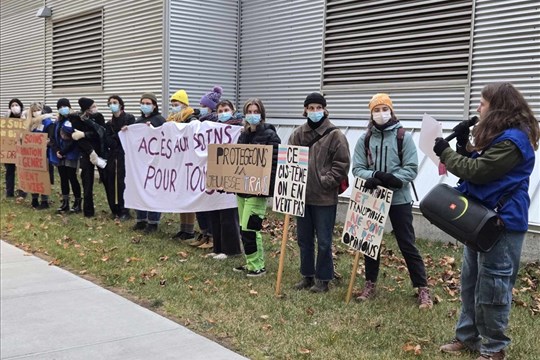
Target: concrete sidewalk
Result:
[[49, 313]]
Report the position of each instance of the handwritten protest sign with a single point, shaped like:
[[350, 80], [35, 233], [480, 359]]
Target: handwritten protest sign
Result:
[[32, 152], [10, 131], [240, 168], [32, 167], [291, 178], [166, 166], [366, 216]]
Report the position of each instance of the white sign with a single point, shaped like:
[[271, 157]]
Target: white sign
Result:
[[166, 166], [291, 179], [364, 225], [431, 129]]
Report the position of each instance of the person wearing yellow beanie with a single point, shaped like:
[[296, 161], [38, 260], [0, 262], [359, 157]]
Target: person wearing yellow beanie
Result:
[[181, 112]]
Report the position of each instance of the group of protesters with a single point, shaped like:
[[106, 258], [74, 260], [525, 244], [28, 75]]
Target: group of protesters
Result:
[[499, 156]]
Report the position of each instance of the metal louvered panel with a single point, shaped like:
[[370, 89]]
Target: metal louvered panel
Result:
[[132, 52], [203, 41], [77, 51], [373, 44], [21, 53], [280, 53], [507, 48]]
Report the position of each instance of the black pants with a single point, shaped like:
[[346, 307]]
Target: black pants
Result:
[[87, 179], [10, 180], [68, 175], [226, 231], [114, 182], [401, 218]]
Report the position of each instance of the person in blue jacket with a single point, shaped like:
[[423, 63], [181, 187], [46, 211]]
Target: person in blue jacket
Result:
[[497, 173], [381, 165], [64, 154]]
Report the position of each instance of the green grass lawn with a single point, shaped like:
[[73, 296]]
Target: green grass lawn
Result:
[[242, 313]]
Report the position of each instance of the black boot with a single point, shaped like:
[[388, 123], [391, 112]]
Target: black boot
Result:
[[76, 206], [44, 205], [35, 203], [319, 287], [64, 206], [305, 283]]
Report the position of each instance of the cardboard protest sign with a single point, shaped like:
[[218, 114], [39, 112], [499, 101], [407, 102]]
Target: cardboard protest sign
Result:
[[32, 166], [32, 152], [10, 131], [166, 166], [291, 179], [240, 168], [366, 215], [34, 181]]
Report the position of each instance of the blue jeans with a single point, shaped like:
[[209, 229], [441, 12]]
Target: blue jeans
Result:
[[318, 220], [487, 280], [148, 216]]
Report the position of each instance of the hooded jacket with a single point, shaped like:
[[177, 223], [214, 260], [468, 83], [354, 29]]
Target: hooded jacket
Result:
[[384, 150]]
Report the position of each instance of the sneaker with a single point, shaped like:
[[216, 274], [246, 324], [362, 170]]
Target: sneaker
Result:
[[124, 217], [368, 292], [454, 347], [242, 268], [500, 355], [255, 273], [220, 256], [150, 228], [139, 225], [319, 287], [424, 298], [305, 283]]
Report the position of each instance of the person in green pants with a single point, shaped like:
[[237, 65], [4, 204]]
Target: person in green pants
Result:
[[252, 208]]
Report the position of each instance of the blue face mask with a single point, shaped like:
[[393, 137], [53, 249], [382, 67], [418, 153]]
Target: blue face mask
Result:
[[315, 116], [176, 109], [114, 107], [203, 111], [253, 119], [64, 110], [224, 116], [146, 109]]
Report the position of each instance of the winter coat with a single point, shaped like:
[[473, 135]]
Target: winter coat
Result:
[[384, 152], [94, 132], [67, 148], [155, 119], [264, 134], [328, 162], [112, 128]]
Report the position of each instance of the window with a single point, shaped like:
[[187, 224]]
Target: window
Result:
[[77, 56], [400, 44]]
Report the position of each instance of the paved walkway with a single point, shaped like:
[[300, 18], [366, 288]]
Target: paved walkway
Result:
[[49, 313]]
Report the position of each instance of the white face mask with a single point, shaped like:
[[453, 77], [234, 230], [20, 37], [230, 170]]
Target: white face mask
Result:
[[16, 109], [382, 117]]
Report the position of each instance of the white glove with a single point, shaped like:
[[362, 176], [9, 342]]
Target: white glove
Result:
[[93, 156], [101, 163], [77, 135]]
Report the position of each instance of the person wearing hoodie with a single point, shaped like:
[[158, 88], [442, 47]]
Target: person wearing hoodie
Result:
[[207, 112], [380, 165], [252, 208], [181, 112], [39, 122], [64, 154], [89, 133], [148, 221], [15, 111], [224, 222], [328, 165], [115, 171]]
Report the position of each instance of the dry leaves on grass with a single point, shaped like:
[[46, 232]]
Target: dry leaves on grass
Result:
[[415, 349], [304, 351]]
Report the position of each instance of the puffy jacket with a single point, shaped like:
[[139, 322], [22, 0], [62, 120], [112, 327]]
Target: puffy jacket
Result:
[[264, 134], [67, 148], [384, 152]]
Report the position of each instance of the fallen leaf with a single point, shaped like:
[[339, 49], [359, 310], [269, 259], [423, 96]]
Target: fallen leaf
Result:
[[182, 254], [253, 292], [266, 327], [105, 258], [82, 272], [163, 258], [304, 351], [265, 317]]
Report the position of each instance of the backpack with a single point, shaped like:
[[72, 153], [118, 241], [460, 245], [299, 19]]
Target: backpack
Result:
[[399, 138]]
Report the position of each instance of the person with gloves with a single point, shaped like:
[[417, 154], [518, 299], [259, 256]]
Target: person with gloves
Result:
[[381, 164], [328, 165], [497, 172], [89, 132]]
